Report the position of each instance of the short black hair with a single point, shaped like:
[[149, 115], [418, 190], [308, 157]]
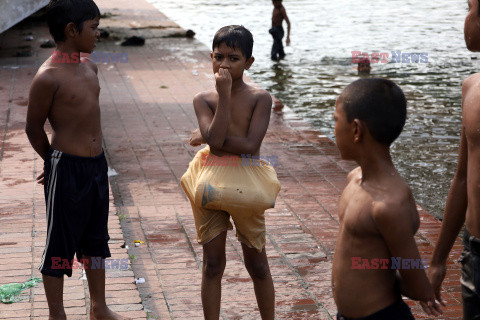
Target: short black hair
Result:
[[380, 104], [62, 12], [235, 37]]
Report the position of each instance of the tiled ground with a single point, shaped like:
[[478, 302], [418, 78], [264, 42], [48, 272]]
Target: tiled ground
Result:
[[147, 117]]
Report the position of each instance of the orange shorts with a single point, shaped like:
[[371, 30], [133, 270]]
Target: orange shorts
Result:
[[229, 186]]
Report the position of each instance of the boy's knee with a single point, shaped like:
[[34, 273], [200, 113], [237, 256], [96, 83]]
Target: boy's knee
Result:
[[213, 268], [258, 269]]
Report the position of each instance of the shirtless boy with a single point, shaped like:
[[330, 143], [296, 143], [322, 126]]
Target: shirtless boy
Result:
[[75, 178], [377, 212], [233, 119], [463, 202], [279, 14]]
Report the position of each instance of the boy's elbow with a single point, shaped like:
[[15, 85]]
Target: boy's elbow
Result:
[[214, 143], [28, 130], [32, 131], [252, 147]]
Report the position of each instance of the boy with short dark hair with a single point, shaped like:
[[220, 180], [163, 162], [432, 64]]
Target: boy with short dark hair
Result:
[[233, 119], [75, 171], [463, 202], [377, 212], [279, 14], [364, 67]]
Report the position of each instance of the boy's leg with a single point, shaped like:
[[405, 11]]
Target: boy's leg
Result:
[[96, 287], [213, 267], [54, 292], [274, 52], [257, 266], [281, 53]]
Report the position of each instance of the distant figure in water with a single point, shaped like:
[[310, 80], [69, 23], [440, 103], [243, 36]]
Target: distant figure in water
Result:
[[277, 32], [364, 68]]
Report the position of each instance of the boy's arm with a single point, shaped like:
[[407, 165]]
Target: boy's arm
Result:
[[42, 90], [214, 126], [256, 131], [398, 234], [284, 12], [453, 220]]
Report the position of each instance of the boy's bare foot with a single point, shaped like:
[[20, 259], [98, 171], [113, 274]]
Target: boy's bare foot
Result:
[[105, 314]]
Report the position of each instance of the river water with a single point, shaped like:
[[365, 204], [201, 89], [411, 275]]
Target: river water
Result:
[[318, 66]]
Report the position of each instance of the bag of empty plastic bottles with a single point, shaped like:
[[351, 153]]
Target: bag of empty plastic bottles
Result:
[[9, 293]]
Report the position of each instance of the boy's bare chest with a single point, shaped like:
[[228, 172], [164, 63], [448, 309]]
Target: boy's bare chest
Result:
[[277, 16], [79, 87], [355, 211], [241, 112], [77, 99]]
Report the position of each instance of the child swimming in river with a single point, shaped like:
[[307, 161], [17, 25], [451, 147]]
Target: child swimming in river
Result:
[[233, 119]]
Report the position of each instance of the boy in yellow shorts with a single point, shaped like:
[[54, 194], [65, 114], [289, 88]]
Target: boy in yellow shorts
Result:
[[221, 182]]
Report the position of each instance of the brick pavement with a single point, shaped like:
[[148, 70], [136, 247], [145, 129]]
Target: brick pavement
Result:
[[147, 116]]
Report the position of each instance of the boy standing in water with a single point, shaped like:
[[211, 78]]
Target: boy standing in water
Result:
[[75, 177], [377, 212], [233, 119], [463, 202], [279, 14]]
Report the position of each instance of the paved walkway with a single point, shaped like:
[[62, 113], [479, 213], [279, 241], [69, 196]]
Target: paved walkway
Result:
[[147, 117]]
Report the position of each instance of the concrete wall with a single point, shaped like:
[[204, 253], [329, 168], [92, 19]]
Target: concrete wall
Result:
[[14, 11]]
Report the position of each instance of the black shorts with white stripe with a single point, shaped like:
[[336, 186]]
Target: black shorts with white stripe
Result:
[[76, 196]]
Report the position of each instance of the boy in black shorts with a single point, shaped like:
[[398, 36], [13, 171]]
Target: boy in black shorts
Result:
[[377, 212], [279, 14], [75, 177]]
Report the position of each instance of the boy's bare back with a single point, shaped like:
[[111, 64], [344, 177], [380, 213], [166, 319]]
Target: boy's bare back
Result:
[[374, 218], [68, 95]]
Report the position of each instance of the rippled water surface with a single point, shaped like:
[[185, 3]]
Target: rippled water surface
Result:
[[318, 66]]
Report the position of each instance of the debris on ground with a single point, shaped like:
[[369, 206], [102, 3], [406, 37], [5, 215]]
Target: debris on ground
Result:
[[48, 44], [134, 41], [106, 15], [9, 293], [104, 33]]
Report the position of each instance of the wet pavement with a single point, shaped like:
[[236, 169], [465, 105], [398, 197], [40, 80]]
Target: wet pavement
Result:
[[147, 117]]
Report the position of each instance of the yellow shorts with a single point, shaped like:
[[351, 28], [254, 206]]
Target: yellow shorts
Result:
[[220, 187]]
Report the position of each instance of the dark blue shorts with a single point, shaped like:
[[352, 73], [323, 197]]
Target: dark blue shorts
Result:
[[398, 310], [76, 196], [470, 280]]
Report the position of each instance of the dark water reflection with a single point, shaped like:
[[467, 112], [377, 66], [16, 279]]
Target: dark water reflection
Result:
[[318, 66]]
